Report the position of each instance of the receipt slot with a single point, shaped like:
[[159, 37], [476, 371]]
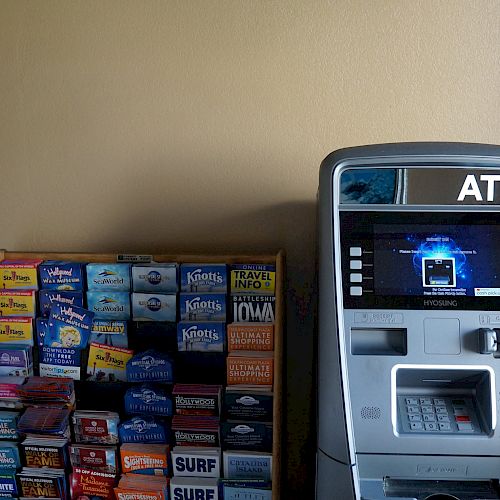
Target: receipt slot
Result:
[[409, 323]]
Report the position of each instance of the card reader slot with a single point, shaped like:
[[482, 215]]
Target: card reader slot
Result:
[[379, 341], [422, 489]]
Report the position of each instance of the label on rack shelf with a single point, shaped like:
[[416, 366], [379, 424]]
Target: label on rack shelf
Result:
[[132, 258]]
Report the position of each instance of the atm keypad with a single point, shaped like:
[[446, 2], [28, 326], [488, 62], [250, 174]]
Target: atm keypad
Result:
[[441, 415]]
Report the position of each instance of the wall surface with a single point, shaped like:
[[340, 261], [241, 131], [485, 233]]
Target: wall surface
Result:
[[200, 126]]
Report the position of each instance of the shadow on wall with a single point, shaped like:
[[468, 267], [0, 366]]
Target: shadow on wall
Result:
[[291, 226]]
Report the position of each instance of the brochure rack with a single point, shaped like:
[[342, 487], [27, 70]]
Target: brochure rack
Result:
[[277, 259]]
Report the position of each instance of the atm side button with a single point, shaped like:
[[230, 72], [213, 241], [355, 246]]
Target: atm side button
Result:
[[356, 264], [356, 291], [355, 252], [356, 278]]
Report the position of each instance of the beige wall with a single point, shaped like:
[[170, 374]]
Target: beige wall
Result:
[[200, 125]]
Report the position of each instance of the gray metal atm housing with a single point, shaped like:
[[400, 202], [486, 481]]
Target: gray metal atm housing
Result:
[[409, 312]]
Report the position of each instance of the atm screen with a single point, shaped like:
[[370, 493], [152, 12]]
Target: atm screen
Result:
[[436, 260], [408, 257]]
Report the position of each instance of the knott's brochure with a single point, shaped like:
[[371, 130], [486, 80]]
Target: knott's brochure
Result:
[[204, 278], [69, 327], [253, 278], [201, 336], [107, 363], [202, 306]]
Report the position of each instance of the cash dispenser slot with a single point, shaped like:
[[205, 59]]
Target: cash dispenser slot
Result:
[[451, 402], [379, 341], [440, 490]]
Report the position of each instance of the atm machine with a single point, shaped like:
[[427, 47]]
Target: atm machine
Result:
[[409, 323]]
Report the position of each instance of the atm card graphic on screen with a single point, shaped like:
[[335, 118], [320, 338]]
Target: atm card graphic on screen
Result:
[[438, 272]]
